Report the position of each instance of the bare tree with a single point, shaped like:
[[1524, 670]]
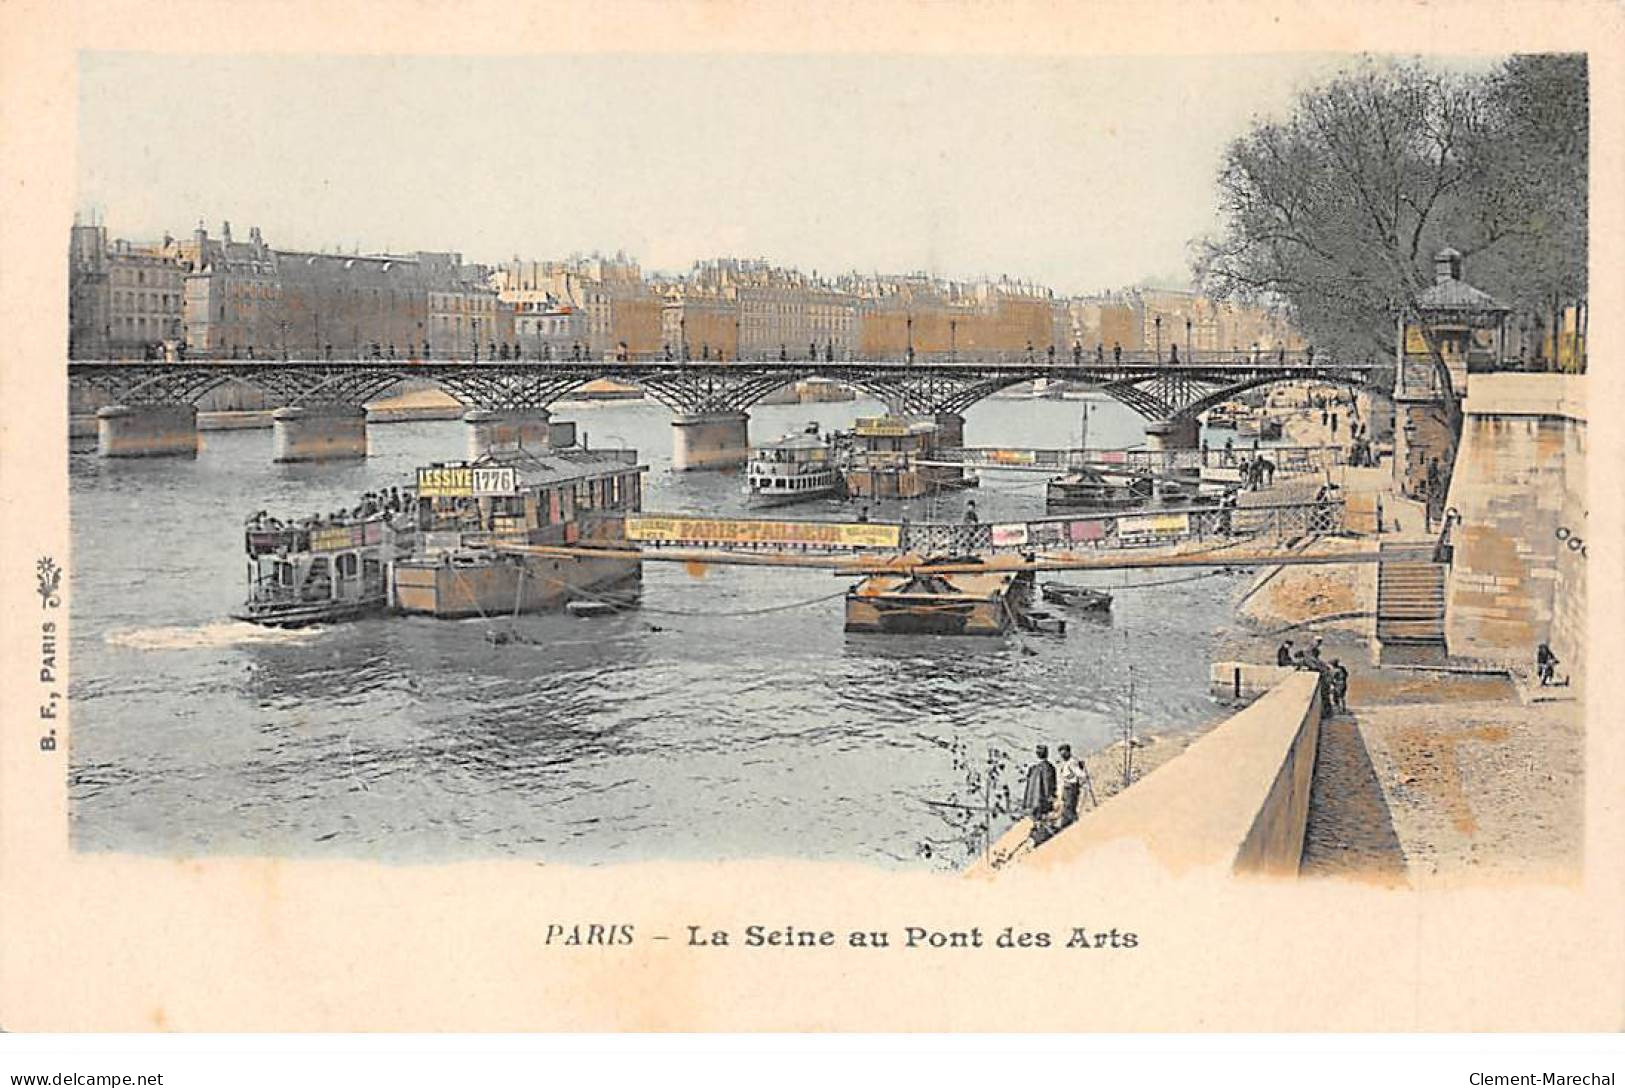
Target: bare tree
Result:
[[1339, 209]]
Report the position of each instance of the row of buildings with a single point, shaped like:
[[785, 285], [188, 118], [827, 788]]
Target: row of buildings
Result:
[[218, 297]]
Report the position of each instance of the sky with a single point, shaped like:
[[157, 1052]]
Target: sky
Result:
[[1080, 173]]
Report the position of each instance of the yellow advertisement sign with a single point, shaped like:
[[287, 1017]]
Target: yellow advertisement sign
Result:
[[882, 425], [1011, 457], [1160, 524], [445, 483], [822, 534], [335, 537]]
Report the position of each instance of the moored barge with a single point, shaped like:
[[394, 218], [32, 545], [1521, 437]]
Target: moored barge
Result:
[[436, 548]]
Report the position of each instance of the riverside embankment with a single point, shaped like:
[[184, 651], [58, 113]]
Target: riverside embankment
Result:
[[1459, 771]]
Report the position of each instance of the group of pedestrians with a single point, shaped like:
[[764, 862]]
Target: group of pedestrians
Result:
[[1334, 678], [1054, 791], [1257, 472]]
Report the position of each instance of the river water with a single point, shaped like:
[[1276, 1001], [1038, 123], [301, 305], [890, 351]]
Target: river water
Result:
[[682, 731]]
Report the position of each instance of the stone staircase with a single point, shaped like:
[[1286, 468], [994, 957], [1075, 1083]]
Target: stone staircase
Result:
[[1410, 607]]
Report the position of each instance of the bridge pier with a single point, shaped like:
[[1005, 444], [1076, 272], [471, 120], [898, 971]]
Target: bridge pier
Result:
[[155, 430], [319, 432], [710, 440], [507, 430], [950, 431], [1173, 434]]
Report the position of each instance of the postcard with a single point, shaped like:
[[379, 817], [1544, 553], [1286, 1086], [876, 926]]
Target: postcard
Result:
[[740, 517]]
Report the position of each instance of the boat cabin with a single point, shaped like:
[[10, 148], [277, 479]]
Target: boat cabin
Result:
[[534, 497], [321, 568], [886, 459]]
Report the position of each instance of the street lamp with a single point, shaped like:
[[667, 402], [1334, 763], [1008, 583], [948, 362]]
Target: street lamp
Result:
[[953, 340], [1190, 346], [1157, 321]]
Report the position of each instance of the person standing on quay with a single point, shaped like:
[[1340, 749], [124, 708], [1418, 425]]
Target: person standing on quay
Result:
[[1039, 797], [1070, 775], [1340, 687]]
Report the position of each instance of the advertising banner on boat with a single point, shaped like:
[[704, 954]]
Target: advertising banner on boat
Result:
[[1083, 532], [815, 534], [1046, 533], [1153, 526], [332, 538], [495, 481], [1011, 457], [881, 425], [1006, 536], [446, 483]]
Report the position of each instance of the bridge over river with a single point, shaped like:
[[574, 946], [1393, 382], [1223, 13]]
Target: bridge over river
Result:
[[153, 404]]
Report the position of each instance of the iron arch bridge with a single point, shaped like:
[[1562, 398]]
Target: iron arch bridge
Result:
[[1156, 390]]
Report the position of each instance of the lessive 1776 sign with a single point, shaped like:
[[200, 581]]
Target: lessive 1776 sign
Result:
[[463, 481]]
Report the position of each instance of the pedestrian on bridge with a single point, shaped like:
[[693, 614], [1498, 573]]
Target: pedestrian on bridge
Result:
[[1173, 353], [1117, 352], [971, 517]]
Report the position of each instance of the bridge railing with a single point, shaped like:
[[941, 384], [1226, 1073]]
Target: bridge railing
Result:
[[1021, 360], [1078, 532]]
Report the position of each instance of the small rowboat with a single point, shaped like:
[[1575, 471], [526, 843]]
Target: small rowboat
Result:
[[1044, 622], [1082, 597]]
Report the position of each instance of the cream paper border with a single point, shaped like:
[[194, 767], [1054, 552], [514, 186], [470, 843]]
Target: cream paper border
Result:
[[103, 942]]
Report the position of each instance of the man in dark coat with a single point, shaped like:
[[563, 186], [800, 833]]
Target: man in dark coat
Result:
[[1283, 654], [1040, 794]]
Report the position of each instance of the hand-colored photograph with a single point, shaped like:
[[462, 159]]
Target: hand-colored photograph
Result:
[[927, 465]]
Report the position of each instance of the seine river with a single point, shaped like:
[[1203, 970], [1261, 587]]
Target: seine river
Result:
[[683, 731]]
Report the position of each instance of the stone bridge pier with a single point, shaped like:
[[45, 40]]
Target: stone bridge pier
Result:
[[497, 429], [709, 440], [319, 432], [1173, 434], [147, 430]]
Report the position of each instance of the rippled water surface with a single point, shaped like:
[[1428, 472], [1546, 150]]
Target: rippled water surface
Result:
[[684, 730]]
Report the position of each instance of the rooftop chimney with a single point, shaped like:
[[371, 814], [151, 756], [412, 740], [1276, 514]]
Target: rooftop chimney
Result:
[[1446, 265]]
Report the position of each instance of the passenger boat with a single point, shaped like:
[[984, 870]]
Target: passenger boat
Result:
[[1226, 415], [1089, 488], [1079, 597], [321, 569], [926, 603], [796, 468]]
